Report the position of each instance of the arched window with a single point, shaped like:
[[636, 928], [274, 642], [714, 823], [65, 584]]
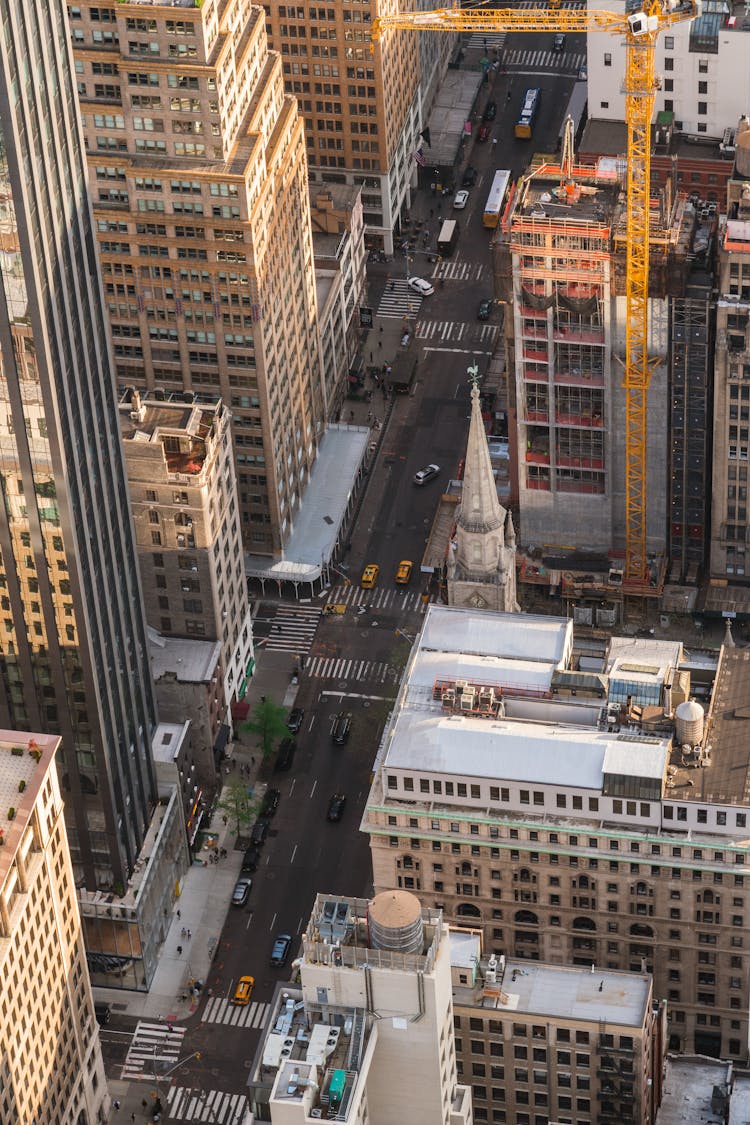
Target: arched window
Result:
[[583, 882], [638, 929], [525, 875], [527, 916], [466, 868], [468, 910], [641, 889], [584, 924]]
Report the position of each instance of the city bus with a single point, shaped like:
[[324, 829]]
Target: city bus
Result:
[[447, 238], [529, 110], [497, 198], [577, 108]]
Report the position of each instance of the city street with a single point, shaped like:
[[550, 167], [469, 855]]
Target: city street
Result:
[[352, 661]]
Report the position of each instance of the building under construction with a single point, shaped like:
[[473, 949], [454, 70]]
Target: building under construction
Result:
[[560, 269]]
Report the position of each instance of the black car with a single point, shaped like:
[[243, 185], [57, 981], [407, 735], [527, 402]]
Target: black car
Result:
[[336, 807], [340, 727], [259, 832], [484, 310], [271, 799], [490, 111], [251, 859], [280, 951], [285, 756], [296, 717], [470, 177]]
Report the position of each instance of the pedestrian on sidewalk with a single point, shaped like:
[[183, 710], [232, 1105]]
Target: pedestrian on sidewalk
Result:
[[179, 914], [132, 1117], [179, 950], [116, 1104], [252, 760], [183, 931], [190, 932]]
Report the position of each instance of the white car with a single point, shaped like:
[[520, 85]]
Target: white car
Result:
[[460, 199], [419, 285]]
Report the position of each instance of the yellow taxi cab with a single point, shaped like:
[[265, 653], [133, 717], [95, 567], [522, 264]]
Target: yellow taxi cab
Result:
[[244, 990], [403, 572], [370, 576]]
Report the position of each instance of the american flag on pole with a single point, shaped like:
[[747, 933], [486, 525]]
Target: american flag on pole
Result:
[[419, 157]]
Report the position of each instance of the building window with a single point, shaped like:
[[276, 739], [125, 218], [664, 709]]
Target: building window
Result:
[[702, 109]]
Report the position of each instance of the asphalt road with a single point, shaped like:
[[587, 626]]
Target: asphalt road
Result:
[[305, 854]]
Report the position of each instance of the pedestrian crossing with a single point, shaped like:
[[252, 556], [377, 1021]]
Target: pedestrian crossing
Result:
[[457, 270], [456, 332], [154, 1048], [340, 668], [218, 1010], [185, 1103], [399, 300], [355, 597], [292, 627], [530, 59], [486, 41]]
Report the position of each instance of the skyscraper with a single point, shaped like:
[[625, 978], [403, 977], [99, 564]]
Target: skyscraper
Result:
[[73, 657], [199, 186]]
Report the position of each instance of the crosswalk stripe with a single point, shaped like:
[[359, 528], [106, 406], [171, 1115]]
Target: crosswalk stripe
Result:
[[216, 1106], [152, 1043], [536, 59], [219, 1010], [399, 300], [292, 627]]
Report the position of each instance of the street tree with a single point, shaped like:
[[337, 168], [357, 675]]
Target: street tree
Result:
[[238, 804], [267, 723]]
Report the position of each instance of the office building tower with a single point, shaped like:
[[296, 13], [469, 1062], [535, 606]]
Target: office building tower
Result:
[[183, 495], [729, 590], [74, 659], [362, 108], [52, 1068], [576, 817], [367, 1036], [199, 185], [559, 1042]]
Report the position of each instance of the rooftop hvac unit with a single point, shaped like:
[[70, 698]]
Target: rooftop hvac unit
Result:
[[448, 697], [467, 700], [461, 685], [486, 697]]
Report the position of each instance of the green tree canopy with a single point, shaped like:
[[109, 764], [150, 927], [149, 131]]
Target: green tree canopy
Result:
[[267, 723]]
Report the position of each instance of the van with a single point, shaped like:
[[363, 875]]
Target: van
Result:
[[259, 833], [103, 1013], [285, 756]]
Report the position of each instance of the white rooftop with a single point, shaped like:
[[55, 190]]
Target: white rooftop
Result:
[[575, 993], [191, 661], [168, 738], [332, 483], [515, 636], [465, 949], [514, 750], [688, 1088], [647, 651]]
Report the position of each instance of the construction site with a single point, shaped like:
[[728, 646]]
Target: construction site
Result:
[[560, 270]]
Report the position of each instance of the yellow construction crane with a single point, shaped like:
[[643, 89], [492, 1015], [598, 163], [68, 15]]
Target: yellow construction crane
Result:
[[640, 30]]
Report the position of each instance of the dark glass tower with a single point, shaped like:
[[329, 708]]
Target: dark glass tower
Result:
[[73, 656]]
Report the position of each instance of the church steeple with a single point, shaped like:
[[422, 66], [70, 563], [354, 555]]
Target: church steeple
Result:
[[481, 567]]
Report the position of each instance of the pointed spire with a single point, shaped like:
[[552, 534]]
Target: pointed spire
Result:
[[481, 510], [728, 638]]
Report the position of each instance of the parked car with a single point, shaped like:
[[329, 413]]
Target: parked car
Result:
[[241, 892], [340, 727], [490, 111], [426, 474], [419, 285], [336, 807], [403, 572], [251, 859], [295, 720], [558, 43], [460, 199], [285, 756], [270, 802], [103, 1013], [280, 951], [484, 133], [369, 576], [244, 990], [259, 832], [470, 177], [485, 309]]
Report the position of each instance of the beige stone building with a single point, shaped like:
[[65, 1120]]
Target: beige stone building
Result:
[[361, 108], [183, 495], [49, 1039], [367, 1036], [575, 817], [542, 1043], [731, 397], [199, 185]]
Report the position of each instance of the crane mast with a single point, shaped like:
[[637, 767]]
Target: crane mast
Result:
[[640, 30]]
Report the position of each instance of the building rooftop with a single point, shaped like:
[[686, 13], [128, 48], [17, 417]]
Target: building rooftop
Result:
[[452, 631], [168, 738], [340, 932], [187, 659], [690, 1087], [24, 761], [594, 197], [182, 427]]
